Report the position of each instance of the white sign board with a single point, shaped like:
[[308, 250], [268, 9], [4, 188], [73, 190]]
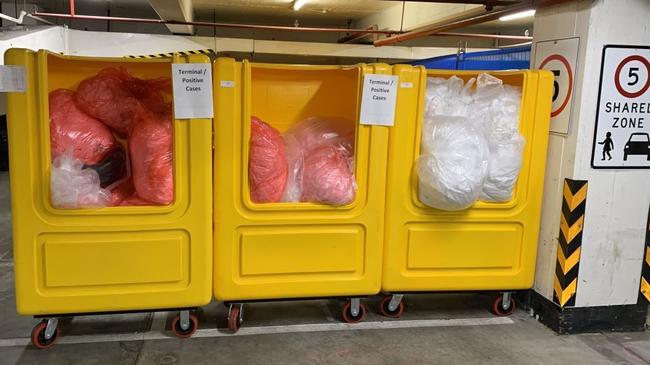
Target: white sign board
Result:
[[622, 134], [378, 100], [192, 90], [12, 79], [560, 57]]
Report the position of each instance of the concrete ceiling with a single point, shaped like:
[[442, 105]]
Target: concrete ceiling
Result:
[[332, 9]]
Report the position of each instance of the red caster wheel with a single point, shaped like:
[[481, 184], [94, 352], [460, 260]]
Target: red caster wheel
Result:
[[38, 336], [499, 309], [234, 318], [387, 312], [184, 333], [346, 313]]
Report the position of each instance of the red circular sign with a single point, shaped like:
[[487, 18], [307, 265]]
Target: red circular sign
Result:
[[565, 62], [617, 76]]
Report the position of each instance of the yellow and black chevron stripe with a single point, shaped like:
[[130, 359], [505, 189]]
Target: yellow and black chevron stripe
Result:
[[645, 271], [171, 54], [570, 241]]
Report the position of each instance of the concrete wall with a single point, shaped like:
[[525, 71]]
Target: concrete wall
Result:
[[618, 200]]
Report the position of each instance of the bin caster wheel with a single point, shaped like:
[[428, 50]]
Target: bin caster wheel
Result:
[[178, 330], [384, 308], [235, 318], [499, 309], [347, 315], [39, 339]]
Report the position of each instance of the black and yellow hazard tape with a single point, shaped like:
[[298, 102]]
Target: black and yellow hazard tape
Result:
[[645, 271], [171, 54], [570, 241]]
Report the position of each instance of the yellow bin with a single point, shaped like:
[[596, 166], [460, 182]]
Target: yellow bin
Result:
[[104, 259], [293, 250], [491, 246]]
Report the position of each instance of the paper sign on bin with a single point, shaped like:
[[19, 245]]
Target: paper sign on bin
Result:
[[192, 90], [378, 100]]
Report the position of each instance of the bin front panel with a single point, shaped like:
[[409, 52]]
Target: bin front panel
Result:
[[293, 250], [121, 258], [490, 246]]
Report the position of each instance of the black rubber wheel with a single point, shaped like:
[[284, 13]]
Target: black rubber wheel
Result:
[[498, 309], [179, 332], [38, 336], [347, 316], [234, 319], [383, 308]]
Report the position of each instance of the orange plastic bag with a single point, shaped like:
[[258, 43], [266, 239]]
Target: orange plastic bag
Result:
[[90, 140], [267, 167], [150, 149]]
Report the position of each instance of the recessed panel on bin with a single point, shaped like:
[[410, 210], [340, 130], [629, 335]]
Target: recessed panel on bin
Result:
[[490, 246], [301, 251], [447, 246], [114, 259]]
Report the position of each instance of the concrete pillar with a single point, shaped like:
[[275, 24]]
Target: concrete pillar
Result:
[[612, 234]]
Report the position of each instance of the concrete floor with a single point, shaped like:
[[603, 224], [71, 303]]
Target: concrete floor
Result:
[[441, 329]]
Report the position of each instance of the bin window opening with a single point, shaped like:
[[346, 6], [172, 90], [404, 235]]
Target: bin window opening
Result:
[[302, 135], [111, 133]]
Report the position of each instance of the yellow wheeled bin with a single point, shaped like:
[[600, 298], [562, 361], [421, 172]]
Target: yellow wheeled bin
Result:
[[113, 258], [488, 247], [277, 251]]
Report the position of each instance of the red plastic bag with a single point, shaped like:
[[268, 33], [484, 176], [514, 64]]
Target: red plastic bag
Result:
[[267, 167], [320, 154], [150, 149], [328, 175], [70, 127], [150, 92], [106, 97]]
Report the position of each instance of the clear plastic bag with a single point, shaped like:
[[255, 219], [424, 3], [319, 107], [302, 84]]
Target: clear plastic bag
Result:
[[487, 119], [89, 138], [267, 166], [320, 155], [73, 186], [496, 108], [453, 163]]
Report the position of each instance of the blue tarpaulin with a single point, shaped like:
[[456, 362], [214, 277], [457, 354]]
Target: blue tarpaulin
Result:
[[501, 59]]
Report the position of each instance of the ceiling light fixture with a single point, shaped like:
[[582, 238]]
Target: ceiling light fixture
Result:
[[297, 4], [522, 14]]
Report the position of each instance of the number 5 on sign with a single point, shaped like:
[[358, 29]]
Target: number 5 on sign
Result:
[[560, 57]]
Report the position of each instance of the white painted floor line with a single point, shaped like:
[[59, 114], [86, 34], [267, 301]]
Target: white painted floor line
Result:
[[327, 327], [267, 330]]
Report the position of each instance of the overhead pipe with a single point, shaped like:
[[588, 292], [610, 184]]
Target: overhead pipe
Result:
[[353, 37], [213, 24], [466, 21], [483, 36]]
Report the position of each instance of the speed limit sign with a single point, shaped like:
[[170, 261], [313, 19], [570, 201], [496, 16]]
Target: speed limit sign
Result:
[[622, 134], [560, 57]]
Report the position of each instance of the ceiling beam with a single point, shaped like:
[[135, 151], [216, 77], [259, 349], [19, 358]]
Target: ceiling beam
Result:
[[176, 10], [465, 21]]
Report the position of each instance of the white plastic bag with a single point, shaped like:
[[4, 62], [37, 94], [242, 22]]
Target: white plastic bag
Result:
[[496, 108], [72, 186], [453, 164]]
